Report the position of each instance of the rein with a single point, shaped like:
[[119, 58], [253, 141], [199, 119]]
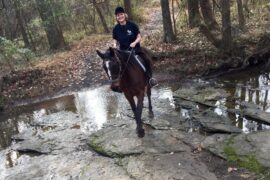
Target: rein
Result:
[[122, 72], [127, 63]]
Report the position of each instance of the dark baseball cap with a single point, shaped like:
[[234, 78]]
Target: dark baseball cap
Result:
[[119, 9]]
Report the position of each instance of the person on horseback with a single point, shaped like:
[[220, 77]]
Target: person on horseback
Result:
[[127, 35]]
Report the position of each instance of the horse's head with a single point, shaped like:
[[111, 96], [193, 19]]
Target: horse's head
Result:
[[112, 67]]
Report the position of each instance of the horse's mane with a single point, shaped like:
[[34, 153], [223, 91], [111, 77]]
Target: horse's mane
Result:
[[125, 57]]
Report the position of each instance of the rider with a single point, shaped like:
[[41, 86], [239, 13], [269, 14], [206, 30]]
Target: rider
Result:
[[127, 35]]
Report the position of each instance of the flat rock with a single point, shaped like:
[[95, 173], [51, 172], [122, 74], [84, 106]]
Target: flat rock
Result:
[[214, 123], [166, 166], [207, 96], [253, 111], [55, 141], [123, 141], [51, 134], [254, 144], [77, 165]]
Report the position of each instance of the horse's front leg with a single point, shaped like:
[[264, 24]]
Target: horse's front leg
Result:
[[138, 115], [137, 110], [131, 103], [151, 114]]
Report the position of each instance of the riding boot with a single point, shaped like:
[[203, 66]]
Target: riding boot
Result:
[[152, 81]]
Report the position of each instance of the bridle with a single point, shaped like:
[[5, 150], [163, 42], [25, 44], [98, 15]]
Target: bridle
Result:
[[120, 74]]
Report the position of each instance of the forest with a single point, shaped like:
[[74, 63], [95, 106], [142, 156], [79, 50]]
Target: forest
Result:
[[220, 35]]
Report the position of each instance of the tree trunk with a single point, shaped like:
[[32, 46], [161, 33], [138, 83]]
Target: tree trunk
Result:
[[168, 36], [208, 15], [53, 31], [241, 16], [29, 33], [226, 26], [245, 6], [94, 21], [128, 9], [104, 24], [8, 26], [194, 17], [18, 13], [1, 32], [211, 36], [173, 18], [216, 5]]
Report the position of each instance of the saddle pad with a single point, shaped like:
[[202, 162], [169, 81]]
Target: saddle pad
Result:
[[140, 62]]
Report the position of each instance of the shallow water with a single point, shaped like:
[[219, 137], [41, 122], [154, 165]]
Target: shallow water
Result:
[[251, 86], [97, 106], [94, 106]]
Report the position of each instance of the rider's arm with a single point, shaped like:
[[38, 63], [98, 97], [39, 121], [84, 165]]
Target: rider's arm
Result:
[[138, 39], [114, 43]]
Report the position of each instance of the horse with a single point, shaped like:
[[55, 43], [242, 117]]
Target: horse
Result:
[[127, 76]]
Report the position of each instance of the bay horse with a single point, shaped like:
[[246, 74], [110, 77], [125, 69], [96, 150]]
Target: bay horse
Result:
[[127, 76]]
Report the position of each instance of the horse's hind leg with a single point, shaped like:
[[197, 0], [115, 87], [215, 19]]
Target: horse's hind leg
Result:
[[151, 114]]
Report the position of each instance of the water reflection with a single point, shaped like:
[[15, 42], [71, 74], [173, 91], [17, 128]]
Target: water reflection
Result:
[[97, 106], [94, 107], [23, 116], [253, 88], [165, 93]]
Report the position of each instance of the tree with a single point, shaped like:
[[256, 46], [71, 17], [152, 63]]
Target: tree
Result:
[[208, 15], [7, 20], [104, 24], [169, 35], [226, 26], [194, 17], [245, 6], [241, 16], [53, 31], [18, 12], [128, 9]]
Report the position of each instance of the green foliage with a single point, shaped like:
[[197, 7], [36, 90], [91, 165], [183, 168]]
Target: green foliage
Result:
[[12, 55]]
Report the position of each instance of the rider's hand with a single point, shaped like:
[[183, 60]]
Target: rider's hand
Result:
[[132, 45]]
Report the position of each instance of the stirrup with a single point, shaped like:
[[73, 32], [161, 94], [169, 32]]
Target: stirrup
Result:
[[153, 82]]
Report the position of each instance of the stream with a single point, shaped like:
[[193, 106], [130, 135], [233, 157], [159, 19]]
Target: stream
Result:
[[87, 111]]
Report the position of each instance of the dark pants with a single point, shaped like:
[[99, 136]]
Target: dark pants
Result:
[[147, 61]]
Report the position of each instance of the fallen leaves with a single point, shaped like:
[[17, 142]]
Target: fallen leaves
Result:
[[198, 149], [231, 169], [70, 70]]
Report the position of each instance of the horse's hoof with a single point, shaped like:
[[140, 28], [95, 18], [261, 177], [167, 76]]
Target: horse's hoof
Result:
[[140, 133]]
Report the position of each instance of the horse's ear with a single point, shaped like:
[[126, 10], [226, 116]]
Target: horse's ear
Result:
[[111, 51], [100, 54]]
